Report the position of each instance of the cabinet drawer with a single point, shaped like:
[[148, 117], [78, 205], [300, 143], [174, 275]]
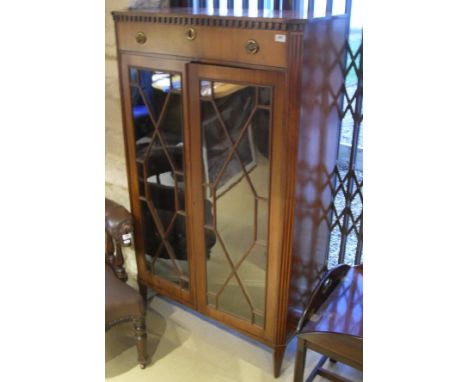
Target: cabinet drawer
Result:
[[215, 43]]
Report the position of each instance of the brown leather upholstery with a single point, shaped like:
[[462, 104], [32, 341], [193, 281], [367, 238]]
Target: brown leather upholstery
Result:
[[122, 301], [119, 222]]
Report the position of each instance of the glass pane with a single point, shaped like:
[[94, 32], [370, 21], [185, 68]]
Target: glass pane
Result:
[[236, 138], [233, 301], [264, 96], [252, 272], [262, 220], [158, 124]]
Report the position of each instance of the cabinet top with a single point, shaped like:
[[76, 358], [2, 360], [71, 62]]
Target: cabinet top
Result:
[[275, 20]]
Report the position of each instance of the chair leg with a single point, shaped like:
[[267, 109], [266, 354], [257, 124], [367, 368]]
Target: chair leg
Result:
[[140, 335], [143, 290], [300, 360]]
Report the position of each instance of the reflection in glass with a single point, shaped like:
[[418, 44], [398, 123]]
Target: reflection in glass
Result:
[[236, 128], [158, 128]]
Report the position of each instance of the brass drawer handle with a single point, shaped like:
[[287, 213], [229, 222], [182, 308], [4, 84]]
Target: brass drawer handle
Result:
[[252, 47], [191, 34], [140, 38]]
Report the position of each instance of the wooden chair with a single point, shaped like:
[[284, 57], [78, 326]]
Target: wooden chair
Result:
[[123, 303], [332, 323]]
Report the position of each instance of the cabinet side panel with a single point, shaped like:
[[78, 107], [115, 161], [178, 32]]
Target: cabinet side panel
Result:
[[322, 79], [287, 167]]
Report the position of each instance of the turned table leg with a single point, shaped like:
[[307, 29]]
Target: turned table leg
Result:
[[143, 290], [140, 335]]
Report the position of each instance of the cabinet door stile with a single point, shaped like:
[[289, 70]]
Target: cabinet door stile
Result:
[[196, 172]]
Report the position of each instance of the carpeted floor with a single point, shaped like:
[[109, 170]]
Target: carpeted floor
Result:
[[186, 347]]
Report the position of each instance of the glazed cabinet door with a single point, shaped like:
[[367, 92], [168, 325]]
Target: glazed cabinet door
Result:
[[236, 120], [156, 139]]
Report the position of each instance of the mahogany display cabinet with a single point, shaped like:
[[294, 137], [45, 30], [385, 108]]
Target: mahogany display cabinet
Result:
[[231, 128]]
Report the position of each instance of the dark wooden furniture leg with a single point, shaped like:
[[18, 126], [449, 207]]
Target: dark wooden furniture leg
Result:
[[278, 355], [118, 263], [143, 290], [115, 258], [109, 249], [300, 360], [140, 335]]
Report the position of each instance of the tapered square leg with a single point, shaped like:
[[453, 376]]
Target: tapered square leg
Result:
[[278, 355], [300, 360]]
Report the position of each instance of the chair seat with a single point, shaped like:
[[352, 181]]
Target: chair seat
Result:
[[122, 301]]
